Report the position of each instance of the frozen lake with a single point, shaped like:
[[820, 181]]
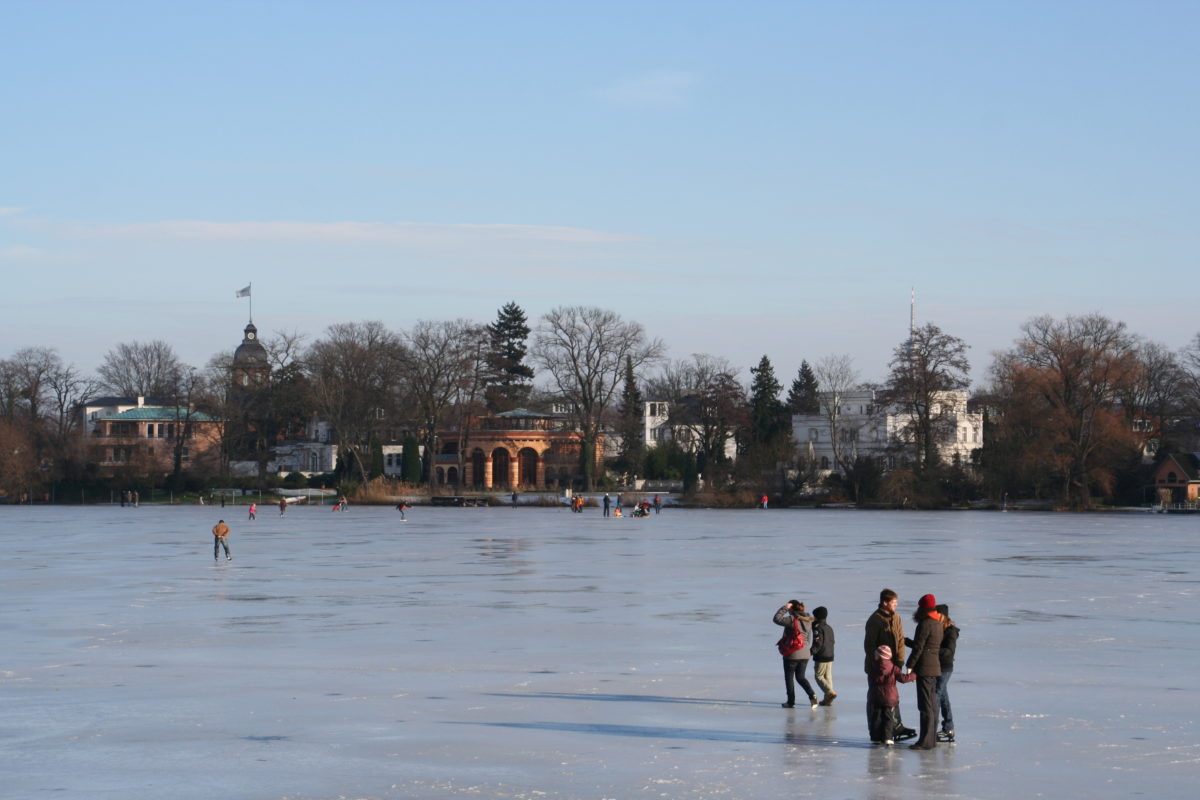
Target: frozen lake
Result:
[[536, 653]]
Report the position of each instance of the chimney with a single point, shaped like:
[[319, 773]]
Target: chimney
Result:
[[141, 401]]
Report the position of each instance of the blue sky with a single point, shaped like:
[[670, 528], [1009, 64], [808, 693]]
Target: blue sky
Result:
[[741, 178]]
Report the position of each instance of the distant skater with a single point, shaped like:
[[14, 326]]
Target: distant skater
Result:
[[607, 503], [253, 510], [282, 506], [400, 507], [220, 534], [764, 502], [657, 504], [514, 499]]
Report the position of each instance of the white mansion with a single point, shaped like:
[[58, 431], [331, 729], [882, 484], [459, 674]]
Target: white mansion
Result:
[[857, 427]]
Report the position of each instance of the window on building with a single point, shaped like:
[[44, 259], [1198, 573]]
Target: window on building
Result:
[[824, 462], [814, 434], [184, 454]]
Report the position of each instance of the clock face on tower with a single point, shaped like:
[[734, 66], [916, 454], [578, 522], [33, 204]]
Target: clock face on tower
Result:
[[250, 335]]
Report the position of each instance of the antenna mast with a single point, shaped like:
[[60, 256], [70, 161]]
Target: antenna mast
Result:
[[912, 314]]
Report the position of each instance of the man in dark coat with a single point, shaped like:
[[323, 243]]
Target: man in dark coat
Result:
[[884, 627]]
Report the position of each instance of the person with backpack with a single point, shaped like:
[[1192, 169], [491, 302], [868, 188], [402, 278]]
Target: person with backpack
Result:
[[795, 647], [822, 654]]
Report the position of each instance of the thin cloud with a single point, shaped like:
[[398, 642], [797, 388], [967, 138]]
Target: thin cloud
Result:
[[21, 252], [664, 88], [10, 211], [397, 233]]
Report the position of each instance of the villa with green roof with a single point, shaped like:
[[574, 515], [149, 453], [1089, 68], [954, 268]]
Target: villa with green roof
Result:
[[145, 437]]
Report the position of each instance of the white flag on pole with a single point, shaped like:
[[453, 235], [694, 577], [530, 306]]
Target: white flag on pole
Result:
[[243, 292]]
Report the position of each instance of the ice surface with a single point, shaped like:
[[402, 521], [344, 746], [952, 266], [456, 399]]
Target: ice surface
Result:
[[536, 653]]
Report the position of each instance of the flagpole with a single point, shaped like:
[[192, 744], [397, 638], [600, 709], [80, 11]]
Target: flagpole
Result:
[[251, 295]]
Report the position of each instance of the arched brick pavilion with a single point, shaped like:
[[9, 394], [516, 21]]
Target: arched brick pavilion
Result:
[[522, 448]]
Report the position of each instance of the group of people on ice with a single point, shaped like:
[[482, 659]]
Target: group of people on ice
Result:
[[930, 664], [640, 509]]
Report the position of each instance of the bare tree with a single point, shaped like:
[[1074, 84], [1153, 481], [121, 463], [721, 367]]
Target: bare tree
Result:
[[445, 369], [924, 368], [837, 377], [352, 373], [132, 369], [1156, 394], [584, 350], [284, 349], [67, 388], [26, 382], [18, 464], [185, 394], [1067, 376], [708, 404], [1189, 360]]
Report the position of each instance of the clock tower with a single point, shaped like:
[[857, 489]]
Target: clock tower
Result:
[[251, 367]]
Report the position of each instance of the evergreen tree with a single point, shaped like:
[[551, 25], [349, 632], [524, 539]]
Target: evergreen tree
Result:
[[411, 469], [509, 378], [802, 397], [630, 414], [768, 416], [376, 459]]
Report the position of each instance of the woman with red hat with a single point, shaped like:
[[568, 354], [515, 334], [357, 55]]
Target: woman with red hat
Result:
[[925, 661]]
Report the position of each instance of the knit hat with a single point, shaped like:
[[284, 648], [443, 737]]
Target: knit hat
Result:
[[820, 612], [928, 602], [884, 652]]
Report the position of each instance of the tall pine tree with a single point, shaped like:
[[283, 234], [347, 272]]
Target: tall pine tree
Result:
[[802, 397], [630, 425], [509, 378], [768, 416]]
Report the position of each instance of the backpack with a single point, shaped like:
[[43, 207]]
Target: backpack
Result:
[[791, 641]]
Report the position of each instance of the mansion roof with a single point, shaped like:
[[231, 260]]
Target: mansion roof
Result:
[[171, 414]]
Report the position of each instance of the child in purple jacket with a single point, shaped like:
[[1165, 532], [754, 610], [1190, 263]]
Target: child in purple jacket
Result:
[[883, 677]]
